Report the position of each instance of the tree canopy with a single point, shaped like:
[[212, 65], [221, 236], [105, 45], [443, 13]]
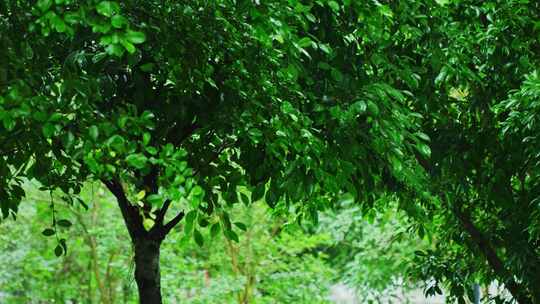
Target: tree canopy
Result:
[[191, 106]]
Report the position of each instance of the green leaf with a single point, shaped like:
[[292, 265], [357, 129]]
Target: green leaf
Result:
[[421, 231], [191, 216], [423, 136], [442, 2], [324, 66], [9, 123], [255, 134], [151, 150], [154, 199], [271, 198], [203, 222], [128, 46], [245, 199], [148, 116], [93, 131], [115, 49], [442, 76], [424, 149], [214, 230], [241, 226], [110, 168], [118, 21], [198, 238], [420, 253], [44, 5], [148, 223], [325, 48], [48, 130], [197, 191], [385, 10], [107, 8], [396, 164], [258, 193], [226, 221], [117, 142], [140, 195], [136, 160], [195, 201], [72, 18], [135, 37], [58, 24], [98, 57], [190, 219], [184, 241], [122, 121], [359, 107], [48, 232], [231, 235], [67, 139], [336, 74], [64, 245], [373, 108], [64, 223], [305, 42], [230, 197], [58, 250], [147, 67], [333, 5], [146, 138]]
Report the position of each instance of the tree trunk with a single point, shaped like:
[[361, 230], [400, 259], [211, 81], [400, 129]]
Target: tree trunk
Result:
[[146, 243], [147, 273]]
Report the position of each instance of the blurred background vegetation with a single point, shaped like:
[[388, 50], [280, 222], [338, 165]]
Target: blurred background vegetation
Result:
[[277, 259]]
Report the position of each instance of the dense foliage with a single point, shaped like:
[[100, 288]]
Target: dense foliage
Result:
[[479, 109], [194, 107]]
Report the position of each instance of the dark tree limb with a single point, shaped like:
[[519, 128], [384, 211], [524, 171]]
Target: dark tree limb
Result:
[[160, 230], [129, 213], [518, 292], [160, 215], [170, 225], [150, 180]]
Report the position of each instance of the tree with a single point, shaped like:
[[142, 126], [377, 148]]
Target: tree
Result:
[[478, 99], [174, 105]]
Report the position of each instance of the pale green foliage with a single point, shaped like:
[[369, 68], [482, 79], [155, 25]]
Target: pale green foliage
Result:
[[270, 264], [372, 251]]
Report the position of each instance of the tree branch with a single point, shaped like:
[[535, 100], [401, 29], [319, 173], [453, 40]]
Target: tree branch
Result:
[[517, 291], [170, 225], [160, 215], [150, 180], [130, 214]]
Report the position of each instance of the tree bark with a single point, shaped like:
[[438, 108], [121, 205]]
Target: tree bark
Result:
[[147, 274]]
